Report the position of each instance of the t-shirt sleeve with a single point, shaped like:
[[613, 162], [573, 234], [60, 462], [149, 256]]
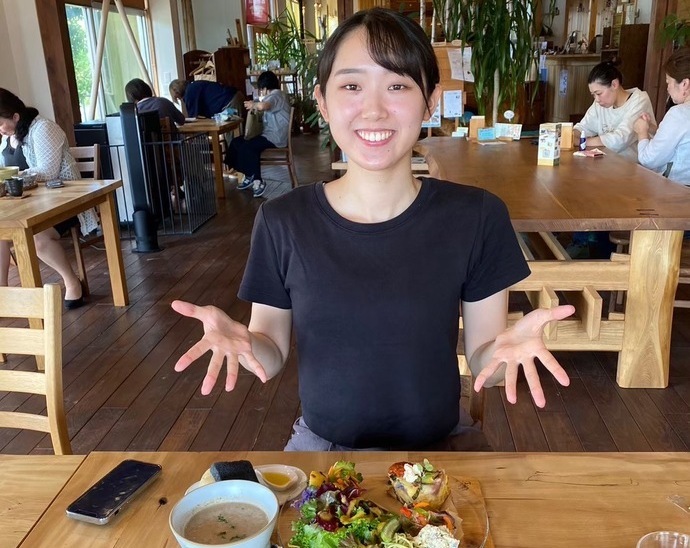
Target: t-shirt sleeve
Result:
[[496, 261], [264, 280]]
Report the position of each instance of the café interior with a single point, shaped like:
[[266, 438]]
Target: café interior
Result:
[[595, 466]]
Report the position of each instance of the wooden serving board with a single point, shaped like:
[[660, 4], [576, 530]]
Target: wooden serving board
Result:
[[8, 197], [466, 500]]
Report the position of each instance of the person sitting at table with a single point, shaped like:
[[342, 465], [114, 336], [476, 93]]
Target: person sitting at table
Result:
[[609, 121], [46, 150], [669, 151], [244, 155], [140, 93], [205, 98], [371, 269]]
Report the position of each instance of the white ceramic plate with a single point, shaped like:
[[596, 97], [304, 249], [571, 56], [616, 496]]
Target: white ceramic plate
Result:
[[292, 492]]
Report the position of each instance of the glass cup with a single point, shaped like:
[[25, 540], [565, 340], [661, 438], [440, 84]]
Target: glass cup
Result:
[[15, 186], [664, 539]]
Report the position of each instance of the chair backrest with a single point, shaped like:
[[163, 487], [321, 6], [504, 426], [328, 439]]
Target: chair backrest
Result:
[[44, 303], [88, 160]]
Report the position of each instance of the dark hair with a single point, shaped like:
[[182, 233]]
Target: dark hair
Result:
[[395, 42], [10, 105], [678, 65], [605, 73], [137, 89], [268, 80]]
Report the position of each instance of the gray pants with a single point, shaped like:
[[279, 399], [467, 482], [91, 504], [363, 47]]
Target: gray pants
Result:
[[466, 436]]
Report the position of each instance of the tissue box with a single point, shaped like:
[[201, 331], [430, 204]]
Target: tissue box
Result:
[[549, 153]]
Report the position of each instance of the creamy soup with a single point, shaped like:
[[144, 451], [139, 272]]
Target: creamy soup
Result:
[[225, 522]]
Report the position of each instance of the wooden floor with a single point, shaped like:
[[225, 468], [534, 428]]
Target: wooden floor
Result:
[[121, 392]]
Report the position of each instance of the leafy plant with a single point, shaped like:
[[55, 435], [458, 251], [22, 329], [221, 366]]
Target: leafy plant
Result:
[[501, 35], [674, 30]]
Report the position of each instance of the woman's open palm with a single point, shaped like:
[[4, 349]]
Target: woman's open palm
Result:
[[518, 346], [227, 339]]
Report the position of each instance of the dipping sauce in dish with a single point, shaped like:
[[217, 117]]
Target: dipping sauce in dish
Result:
[[225, 522], [278, 479]]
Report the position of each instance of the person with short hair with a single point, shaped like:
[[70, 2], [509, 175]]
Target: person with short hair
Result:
[[140, 93], [372, 269], [669, 151], [609, 121], [205, 98], [244, 155]]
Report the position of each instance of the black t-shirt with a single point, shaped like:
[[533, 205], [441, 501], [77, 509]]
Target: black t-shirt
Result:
[[375, 306]]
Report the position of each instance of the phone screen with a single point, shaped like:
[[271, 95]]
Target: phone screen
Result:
[[105, 498]]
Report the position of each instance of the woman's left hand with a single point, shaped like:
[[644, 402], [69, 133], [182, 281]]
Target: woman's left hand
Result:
[[518, 346], [248, 105], [641, 125]]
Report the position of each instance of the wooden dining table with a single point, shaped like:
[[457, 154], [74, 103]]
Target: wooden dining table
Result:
[[530, 499], [588, 194], [41, 208], [214, 130]]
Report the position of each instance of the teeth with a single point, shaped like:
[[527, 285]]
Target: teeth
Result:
[[374, 136]]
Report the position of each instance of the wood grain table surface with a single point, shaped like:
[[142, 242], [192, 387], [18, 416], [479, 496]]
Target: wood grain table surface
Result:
[[588, 194], [28, 484], [43, 208], [552, 499]]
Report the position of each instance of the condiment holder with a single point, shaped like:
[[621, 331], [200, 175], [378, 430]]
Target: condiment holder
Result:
[[278, 477]]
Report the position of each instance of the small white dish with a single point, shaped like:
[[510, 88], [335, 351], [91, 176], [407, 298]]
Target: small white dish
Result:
[[296, 485], [664, 539]]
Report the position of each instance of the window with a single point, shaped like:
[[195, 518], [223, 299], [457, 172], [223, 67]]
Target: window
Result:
[[119, 65]]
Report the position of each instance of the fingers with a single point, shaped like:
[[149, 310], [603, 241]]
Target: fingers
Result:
[[193, 354], [212, 372], [253, 365], [187, 309], [534, 384], [511, 382], [551, 363]]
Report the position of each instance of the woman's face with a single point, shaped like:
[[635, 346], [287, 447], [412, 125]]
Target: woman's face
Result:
[[374, 114], [604, 95], [8, 125], [678, 91]]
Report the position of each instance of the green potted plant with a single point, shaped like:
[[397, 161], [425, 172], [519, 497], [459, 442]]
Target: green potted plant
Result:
[[502, 37], [674, 30]]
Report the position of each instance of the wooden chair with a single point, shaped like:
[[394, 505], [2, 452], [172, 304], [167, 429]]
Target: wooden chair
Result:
[[282, 156], [88, 160], [44, 303]]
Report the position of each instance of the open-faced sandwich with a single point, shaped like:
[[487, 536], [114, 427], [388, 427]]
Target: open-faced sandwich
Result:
[[334, 513], [418, 483]]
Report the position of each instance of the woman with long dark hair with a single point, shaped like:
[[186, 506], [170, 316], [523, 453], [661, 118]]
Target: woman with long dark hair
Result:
[[46, 150]]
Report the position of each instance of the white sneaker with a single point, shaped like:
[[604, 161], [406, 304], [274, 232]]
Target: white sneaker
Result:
[[259, 187]]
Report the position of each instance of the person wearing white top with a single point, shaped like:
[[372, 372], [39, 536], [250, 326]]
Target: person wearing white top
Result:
[[47, 154], [609, 121], [669, 151]]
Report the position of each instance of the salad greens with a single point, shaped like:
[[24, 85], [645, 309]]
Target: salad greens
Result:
[[334, 514]]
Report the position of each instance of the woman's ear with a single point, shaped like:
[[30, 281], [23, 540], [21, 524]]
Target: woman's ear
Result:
[[433, 101], [321, 102]]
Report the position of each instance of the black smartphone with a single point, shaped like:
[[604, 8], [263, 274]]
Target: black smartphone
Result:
[[105, 499]]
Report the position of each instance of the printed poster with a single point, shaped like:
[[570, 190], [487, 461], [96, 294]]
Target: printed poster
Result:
[[257, 12]]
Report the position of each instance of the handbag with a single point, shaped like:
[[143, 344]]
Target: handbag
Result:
[[254, 126]]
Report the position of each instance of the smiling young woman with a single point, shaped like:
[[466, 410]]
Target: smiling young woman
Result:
[[364, 269]]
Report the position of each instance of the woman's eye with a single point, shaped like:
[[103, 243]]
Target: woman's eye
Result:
[[398, 87], [351, 87]]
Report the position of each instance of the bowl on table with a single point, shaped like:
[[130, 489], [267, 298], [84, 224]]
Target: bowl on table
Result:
[[664, 539], [232, 513]]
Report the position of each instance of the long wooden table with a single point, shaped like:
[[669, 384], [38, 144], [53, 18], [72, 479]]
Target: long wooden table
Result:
[[214, 130], [553, 499], [42, 208], [587, 194], [28, 484]]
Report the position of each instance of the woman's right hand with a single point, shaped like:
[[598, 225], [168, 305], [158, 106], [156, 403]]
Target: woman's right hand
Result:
[[226, 339]]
